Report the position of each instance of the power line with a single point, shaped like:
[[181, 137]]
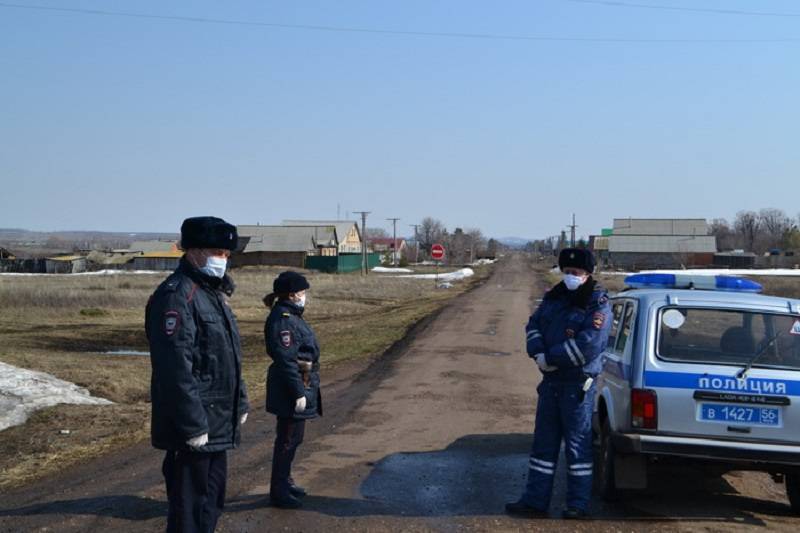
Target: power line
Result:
[[716, 11], [342, 29]]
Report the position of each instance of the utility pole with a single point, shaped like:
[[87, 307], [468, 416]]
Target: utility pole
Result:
[[416, 242], [394, 239], [364, 262], [572, 232]]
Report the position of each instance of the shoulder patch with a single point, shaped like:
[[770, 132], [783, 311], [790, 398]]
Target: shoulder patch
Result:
[[598, 319], [172, 321], [286, 338]]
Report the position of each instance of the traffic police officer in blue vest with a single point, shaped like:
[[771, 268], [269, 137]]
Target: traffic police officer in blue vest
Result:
[[565, 336]]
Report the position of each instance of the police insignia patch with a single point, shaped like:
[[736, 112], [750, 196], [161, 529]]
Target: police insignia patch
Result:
[[598, 319], [172, 320], [286, 338], [571, 333]]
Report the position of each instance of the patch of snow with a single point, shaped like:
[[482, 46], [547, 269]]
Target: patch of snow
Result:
[[481, 262], [719, 272], [445, 285], [124, 352], [387, 270], [24, 391], [447, 276]]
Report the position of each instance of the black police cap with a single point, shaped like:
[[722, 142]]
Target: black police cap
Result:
[[208, 232], [576, 258]]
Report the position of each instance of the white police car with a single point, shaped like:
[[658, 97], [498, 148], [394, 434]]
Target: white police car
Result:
[[708, 375]]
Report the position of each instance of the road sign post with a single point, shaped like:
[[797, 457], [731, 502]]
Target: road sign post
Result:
[[437, 254]]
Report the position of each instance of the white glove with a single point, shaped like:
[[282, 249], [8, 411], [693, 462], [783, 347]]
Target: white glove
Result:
[[198, 442], [300, 405], [243, 419], [541, 361]]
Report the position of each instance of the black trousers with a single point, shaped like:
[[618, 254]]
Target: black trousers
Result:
[[288, 436], [195, 490]]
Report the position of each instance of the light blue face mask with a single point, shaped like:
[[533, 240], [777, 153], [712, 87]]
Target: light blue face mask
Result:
[[573, 282], [215, 266]]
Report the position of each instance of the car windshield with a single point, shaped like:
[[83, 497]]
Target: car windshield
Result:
[[731, 337]]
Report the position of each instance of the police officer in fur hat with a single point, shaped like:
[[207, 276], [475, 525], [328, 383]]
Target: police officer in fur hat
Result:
[[293, 384], [199, 400], [565, 336]]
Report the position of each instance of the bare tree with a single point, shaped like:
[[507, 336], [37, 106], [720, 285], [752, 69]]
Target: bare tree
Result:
[[726, 239], [476, 242], [430, 232], [774, 225], [377, 233], [492, 248], [747, 225]]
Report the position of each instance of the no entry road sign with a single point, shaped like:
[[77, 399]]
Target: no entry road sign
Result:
[[437, 252]]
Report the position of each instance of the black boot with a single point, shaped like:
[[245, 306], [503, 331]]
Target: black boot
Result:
[[286, 501], [520, 508], [296, 490]]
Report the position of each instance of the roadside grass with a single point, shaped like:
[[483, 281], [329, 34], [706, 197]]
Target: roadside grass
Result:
[[63, 325]]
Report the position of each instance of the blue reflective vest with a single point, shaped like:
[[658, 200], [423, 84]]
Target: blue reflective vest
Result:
[[571, 328]]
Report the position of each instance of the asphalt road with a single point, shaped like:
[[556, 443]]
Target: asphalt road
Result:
[[432, 436]]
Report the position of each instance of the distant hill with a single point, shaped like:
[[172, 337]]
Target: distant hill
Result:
[[514, 242], [23, 235]]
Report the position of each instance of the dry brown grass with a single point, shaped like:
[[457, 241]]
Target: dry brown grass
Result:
[[58, 324]]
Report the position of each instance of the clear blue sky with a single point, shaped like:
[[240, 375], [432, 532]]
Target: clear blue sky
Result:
[[132, 124]]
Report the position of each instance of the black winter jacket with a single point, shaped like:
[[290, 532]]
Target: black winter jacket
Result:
[[195, 352], [290, 340]]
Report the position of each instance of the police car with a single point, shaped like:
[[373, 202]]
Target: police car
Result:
[[701, 368]]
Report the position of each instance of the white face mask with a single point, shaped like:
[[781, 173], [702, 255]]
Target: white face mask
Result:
[[301, 302], [573, 282], [215, 266]]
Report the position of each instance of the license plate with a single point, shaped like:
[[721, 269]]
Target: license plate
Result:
[[740, 414]]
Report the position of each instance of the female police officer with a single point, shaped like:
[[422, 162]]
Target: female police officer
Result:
[[565, 336], [293, 391]]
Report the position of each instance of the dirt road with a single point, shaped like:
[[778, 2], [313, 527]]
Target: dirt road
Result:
[[433, 436]]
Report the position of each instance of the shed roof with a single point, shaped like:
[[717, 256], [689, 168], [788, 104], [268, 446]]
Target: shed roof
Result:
[[287, 238], [161, 255], [342, 227], [66, 258], [153, 246]]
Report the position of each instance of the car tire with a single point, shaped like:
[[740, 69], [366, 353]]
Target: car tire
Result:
[[605, 483], [793, 491]]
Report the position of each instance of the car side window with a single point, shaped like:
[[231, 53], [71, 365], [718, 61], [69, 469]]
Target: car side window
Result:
[[625, 329], [616, 315]]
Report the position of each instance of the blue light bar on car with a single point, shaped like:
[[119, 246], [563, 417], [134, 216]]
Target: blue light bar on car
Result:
[[692, 281]]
